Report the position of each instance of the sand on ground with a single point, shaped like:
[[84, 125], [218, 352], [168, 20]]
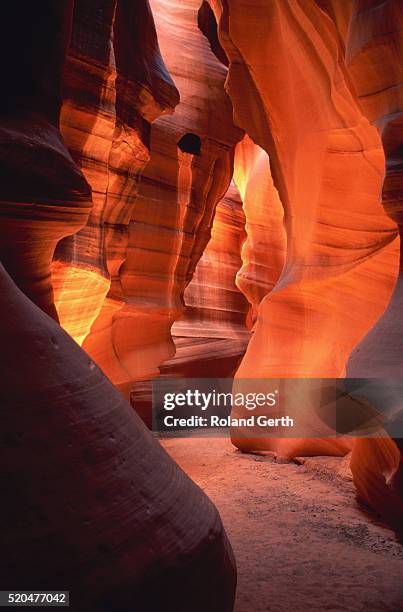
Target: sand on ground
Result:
[[301, 540]]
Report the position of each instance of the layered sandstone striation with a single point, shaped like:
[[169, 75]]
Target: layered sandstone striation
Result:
[[211, 336], [178, 242], [264, 250], [374, 56], [91, 500], [327, 164], [190, 168], [43, 195], [115, 83]]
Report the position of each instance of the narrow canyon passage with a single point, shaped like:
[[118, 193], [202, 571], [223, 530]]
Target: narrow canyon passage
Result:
[[300, 539], [200, 226]]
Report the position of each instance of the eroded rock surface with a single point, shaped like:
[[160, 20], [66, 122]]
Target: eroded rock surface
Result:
[[91, 500], [327, 164], [264, 250], [43, 195], [375, 62], [211, 336], [190, 168], [146, 105], [115, 83]]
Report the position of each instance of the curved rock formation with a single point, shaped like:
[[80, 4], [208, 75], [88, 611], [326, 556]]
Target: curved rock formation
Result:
[[373, 54], [115, 84], [317, 87], [43, 195], [264, 250], [90, 499], [327, 165], [376, 464], [189, 171], [211, 336], [375, 62]]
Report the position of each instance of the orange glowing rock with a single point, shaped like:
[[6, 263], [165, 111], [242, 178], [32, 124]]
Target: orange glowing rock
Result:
[[190, 168], [317, 87], [211, 336], [115, 84], [43, 195], [79, 296], [264, 250], [286, 63], [375, 464]]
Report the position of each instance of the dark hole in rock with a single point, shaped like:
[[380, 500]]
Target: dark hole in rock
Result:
[[190, 143]]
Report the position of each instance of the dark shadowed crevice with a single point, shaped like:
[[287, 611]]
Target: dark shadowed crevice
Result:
[[208, 26]]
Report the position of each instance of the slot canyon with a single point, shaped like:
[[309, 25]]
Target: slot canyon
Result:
[[201, 190]]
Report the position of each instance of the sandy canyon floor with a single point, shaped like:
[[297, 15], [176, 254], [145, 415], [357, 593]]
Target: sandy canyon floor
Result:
[[301, 540]]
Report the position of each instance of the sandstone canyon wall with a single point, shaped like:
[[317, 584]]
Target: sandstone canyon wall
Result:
[[208, 178], [114, 85], [92, 501], [330, 291], [190, 168], [328, 165], [37, 208], [374, 57], [264, 250], [211, 336]]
